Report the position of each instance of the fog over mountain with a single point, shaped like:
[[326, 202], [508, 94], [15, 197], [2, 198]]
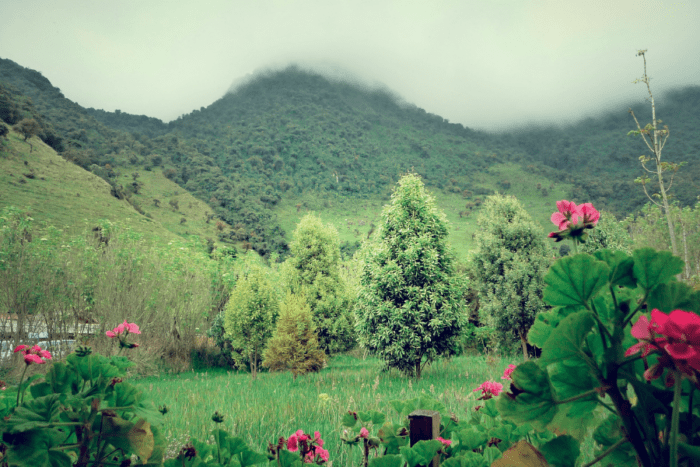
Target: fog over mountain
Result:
[[487, 65]]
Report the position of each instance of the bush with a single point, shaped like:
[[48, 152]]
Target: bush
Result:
[[294, 345], [250, 317]]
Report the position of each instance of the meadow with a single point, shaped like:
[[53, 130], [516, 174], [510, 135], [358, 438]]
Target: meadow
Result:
[[275, 405]]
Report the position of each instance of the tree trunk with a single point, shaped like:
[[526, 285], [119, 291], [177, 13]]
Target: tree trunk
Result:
[[418, 370], [523, 342], [685, 250], [254, 364]]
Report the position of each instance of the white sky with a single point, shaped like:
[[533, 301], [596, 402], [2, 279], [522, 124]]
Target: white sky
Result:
[[483, 63]]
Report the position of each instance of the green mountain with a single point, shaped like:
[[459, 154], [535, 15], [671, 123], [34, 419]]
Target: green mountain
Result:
[[291, 141]]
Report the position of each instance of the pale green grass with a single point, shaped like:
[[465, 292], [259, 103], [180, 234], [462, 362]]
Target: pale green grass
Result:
[[274, 405]]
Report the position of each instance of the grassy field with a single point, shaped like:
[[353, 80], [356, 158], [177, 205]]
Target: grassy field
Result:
[[274, 405], [68, 197]]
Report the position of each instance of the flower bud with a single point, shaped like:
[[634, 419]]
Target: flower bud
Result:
[[217, 417]]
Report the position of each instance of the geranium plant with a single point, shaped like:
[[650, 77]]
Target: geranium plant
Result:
[[602, 370]]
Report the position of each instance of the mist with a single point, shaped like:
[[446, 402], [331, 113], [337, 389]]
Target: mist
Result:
[[486, 65]]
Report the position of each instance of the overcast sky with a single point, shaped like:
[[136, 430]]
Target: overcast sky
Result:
[[487, 64]]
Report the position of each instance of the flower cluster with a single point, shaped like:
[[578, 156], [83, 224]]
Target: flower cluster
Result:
[[310, 449], [123, 330], [675, 337], [567, 220], [445, 442], [364, 433], [508, 371], [33, 354], [489, 389]]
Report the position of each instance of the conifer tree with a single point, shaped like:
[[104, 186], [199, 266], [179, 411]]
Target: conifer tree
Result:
[[409, 309], [294, 345], [508, 267], [314, 271]]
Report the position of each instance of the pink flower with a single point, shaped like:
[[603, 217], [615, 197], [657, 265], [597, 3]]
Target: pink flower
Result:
[[508, 371], [678, 342], [568, 214], [489, 389], [317, 438], [293, 443], [445, 442], [124, 328], [364, 433], [589, 213], [322, 453], [34, 354]]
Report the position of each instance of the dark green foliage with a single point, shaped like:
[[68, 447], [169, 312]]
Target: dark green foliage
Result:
[[409, 309]]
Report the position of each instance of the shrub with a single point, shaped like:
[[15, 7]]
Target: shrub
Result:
[[250, 317], [294, 345]]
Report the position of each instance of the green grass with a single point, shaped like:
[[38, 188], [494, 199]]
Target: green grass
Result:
[[62, 194], [274, 405]]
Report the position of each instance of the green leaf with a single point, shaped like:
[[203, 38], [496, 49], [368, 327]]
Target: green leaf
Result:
[[249, 457], [530, 399], [41, 389], [570, 381], [289, 459], [389, 438], [621, 265], [374, 417], [574, 280], [489, 408], [421, 453], [35, 413], [348, 420], [391, 460], [471, 439], [546, 321], [34, 449], [652, 267], [468, 459], [60, 377], [562, 451], [566, 340], [671, 296], [688, 451]]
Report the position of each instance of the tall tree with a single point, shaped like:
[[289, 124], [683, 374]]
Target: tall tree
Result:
[[314, 272], [509, 266], [250, 317], [655, 139], [28, 127], [409, 308]]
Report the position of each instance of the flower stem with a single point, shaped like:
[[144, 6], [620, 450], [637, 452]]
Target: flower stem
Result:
[[605, 453], [19, 389], [675, 419]]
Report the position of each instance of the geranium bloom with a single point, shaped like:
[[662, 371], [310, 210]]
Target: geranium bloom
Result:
[[445, 442], [489, 389], [364, 433], [589, 213], [317, 438], [33, 354], [676, 337], [124, 328], [293, 443], [508, 371], [568, 214]]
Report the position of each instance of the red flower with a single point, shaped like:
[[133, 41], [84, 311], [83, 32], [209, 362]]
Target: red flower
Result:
[[293, 443], [568, 213], [508, 371], [489, 389], [678, 342], [34, 354], [445, 442], [317, 438], [589, 213]]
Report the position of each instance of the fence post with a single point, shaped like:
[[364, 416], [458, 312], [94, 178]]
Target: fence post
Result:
[[424, 425]]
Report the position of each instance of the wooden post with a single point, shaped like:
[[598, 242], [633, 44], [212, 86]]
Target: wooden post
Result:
[[424, 425]]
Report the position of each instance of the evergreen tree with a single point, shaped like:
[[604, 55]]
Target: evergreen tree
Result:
[[314, 271], [294, 345], [509, 266], [409, 305], [250, 317]]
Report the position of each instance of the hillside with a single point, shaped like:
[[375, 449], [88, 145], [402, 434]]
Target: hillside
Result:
[[291, 141], [56, 192]]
